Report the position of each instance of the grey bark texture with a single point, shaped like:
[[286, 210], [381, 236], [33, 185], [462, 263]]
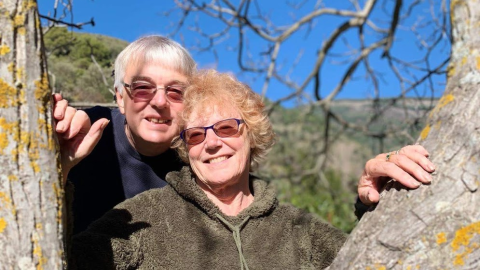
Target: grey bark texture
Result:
[[31, 198], [436, 226]]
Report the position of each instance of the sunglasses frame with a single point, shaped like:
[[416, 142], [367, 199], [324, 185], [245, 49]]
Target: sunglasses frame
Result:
[[128, 87], [238, 121]]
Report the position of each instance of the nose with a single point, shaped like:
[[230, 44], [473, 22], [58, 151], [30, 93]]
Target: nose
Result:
[[211, 139], [159, 99]]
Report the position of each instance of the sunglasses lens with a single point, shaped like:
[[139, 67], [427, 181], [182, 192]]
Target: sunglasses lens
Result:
[[194, 135], [143, 90], [226, 128], [175, 93]]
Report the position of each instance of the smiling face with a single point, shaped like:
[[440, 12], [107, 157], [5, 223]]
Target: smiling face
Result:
[[151, 125], [219, 163]]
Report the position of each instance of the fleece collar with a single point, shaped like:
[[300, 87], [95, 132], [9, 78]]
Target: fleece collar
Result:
[[264, 201]]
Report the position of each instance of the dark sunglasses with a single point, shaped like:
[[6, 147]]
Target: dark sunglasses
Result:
[[223, 129], [145, 91]]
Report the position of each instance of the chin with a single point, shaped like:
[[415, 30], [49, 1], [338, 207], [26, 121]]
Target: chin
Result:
[[157, 138]]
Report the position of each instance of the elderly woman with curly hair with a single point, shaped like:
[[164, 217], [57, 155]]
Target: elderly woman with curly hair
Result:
[[214, 214]]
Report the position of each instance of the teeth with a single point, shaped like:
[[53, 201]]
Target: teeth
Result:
[[216, 160], [157, 121]]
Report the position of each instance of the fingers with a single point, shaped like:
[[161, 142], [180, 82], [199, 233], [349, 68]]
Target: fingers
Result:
[[81, 146], [419, 155], [59, 106], [63, 125], [376, 173], [74, 122], [410, 166]]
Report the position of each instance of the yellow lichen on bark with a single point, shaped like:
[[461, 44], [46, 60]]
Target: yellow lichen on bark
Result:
[[441, 238], [450, 71], [20, 74], [3, 225], [6, 202], [27, 5], [463, 236], [376, 267], [478, 62], [21, 31], [33, 151], [4, 49], [37, 252], [11, 67], [444, 100], [59, 193], [424, 133], [18, 20], [8, 94], [6, 129], [42, 88]]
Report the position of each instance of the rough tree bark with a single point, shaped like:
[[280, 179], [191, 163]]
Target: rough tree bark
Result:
[[436, 226], [31, 229]]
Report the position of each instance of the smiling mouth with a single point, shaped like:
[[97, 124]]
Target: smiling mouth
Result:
[[157, 121], [217, 159]]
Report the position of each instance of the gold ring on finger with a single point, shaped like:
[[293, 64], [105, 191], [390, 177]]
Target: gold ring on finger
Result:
[[389, 154]]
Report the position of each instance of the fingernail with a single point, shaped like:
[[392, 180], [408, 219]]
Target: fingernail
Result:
[[415, 184], [59, 127], [105, 124], [431, 167], [427, 177], [366, 196]]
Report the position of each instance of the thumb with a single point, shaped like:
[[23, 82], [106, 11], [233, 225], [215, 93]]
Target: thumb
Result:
[[368, 195]]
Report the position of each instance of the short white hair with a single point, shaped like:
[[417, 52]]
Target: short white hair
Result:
[[153, 49]]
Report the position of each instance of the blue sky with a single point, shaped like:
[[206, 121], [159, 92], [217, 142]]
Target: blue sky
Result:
[[129, 20]]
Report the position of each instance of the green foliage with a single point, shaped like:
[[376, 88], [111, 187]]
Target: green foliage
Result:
[[332, 201], [72, 68], [292, 167]]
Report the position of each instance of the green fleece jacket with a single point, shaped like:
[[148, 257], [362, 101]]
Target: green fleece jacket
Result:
[[178, 227]]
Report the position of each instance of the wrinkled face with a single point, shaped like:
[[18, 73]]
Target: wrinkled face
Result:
[[151, 125], [219, 162]]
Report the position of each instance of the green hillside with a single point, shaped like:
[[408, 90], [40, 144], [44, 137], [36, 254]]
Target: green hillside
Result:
[[71, 63]]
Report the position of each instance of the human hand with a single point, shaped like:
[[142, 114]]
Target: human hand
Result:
[[76, 136], [409, 166]]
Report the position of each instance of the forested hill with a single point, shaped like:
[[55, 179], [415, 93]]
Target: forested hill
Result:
[[81, 64], [80, 67]]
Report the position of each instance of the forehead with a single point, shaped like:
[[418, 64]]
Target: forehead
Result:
[[153, 71], [208, 114]]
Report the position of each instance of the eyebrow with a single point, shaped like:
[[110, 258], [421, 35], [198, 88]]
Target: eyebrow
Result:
[[150, 80]]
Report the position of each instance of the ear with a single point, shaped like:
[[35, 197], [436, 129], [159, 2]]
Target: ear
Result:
[[120, 102]]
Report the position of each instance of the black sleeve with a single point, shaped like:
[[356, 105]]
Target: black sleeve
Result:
[[98, 112], [361, 208]]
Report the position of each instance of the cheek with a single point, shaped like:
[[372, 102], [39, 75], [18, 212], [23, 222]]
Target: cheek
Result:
[[176, 108], [193, 153]]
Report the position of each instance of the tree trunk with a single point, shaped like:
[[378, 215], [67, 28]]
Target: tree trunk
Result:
[[436, 226], [31, 195]]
